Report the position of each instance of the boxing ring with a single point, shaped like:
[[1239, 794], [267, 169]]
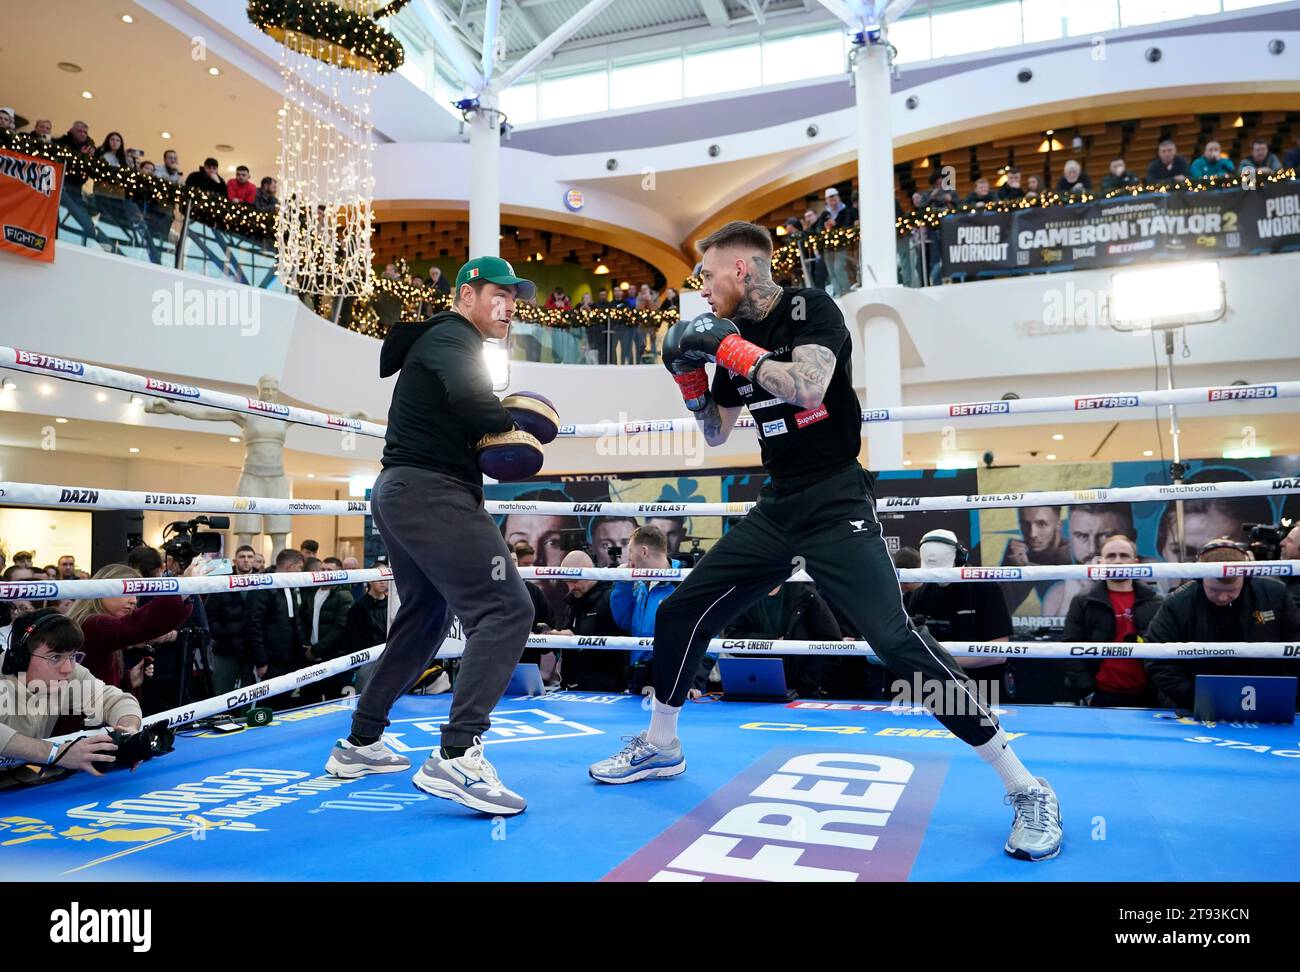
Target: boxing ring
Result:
[[806, 790]]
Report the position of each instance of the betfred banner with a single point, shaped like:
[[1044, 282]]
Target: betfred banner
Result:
[[1123, 230], [29, 204]]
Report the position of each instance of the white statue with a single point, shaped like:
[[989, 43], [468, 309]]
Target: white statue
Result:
[[263, 471]]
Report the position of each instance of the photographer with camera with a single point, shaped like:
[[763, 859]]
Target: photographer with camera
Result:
[[113, 624], [1217, 610], [42, 683]]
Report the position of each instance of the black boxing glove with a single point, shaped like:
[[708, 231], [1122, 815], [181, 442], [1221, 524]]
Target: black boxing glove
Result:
[[688, 372], [712, 338]]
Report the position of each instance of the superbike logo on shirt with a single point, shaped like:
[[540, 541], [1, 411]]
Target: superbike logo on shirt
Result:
[[808, 416]]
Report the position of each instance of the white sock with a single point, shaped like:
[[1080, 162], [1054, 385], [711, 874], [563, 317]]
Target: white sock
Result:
[[997, 753], [663, 724]]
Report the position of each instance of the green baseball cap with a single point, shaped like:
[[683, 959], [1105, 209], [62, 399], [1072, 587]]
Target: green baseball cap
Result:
[[497, 271]]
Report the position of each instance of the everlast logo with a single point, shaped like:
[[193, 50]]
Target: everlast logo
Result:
[[991, 573], [1106, 401], [1100, 651], [661, 508], [1246, 391], [875, 415], [893, 502], [78, 496], [30, 172], [157, 384], [587, 507], [995, 498], [29, 591], [238, 581], [169, 499], [325, 576], [47, 363], [356, 506], [1257, 570], [1119, 573], [151, 585], [591, 641], [340, 422], [980, 408], [270, 408]]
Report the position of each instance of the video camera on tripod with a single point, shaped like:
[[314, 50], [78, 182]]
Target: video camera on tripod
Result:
[[1265, 539], [183, 541]]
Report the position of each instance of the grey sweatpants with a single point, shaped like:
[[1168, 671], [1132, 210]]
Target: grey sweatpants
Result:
[[448, 557]]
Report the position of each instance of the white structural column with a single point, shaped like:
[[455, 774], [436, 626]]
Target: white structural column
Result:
[[881, 350], [485, 178], [875, 166]]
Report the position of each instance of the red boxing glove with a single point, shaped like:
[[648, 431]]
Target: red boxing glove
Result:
[[695, 387], [740, 356]]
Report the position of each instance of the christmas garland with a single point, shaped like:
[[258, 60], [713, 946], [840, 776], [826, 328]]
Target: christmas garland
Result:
[[331, 33], [205, 207]]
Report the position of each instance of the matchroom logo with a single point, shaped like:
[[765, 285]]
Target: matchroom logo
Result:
[[801, 816]]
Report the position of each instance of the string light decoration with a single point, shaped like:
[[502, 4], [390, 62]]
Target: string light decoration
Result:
[[330, 55], [342, 33]]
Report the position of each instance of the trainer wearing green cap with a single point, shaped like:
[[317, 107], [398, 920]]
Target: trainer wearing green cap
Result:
[[447, 555]]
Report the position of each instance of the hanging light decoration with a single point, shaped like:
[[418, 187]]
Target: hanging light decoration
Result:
[[331, 53]]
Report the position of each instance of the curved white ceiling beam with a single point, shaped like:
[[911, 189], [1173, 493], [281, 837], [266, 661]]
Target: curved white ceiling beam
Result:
[[435, 22]]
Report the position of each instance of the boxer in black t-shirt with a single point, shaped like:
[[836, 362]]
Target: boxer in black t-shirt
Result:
[[785, 354]]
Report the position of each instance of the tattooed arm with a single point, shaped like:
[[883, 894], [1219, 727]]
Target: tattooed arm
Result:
[[801, 381], [716, 422]]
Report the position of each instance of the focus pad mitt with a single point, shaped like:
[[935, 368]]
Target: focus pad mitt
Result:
[[533, 414], [509, 456]]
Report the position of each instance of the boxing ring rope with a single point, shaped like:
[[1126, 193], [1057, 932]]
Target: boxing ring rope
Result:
[[90, 497], [194, 711], [69, 369], [80, 590], [87, 374]]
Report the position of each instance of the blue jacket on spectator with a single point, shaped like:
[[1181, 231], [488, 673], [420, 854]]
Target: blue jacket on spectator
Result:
[[634, 605], [1202, 168]]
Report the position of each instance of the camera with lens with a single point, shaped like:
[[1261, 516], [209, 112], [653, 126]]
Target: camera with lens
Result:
[[692, 557], [183, 540], [1265, 539]]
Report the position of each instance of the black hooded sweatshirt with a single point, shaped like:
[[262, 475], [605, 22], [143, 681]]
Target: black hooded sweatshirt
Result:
[[443, 402]]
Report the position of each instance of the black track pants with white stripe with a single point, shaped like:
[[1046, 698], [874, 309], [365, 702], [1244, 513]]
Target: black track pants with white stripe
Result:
[[832, 528]]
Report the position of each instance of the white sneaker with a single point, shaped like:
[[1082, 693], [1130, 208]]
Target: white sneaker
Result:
[[350, 762], [469, 780]]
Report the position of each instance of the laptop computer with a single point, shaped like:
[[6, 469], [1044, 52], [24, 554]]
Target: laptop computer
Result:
[[1245, 698], [527, 680], [754, 680]]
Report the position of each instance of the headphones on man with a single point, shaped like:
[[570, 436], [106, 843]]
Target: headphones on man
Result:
[[1220, 543], [19, 655], [962, 555]]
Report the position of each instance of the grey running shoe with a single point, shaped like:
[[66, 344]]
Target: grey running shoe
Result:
[[469, 780], [349, 762], [640, 760], [1036, 830]]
